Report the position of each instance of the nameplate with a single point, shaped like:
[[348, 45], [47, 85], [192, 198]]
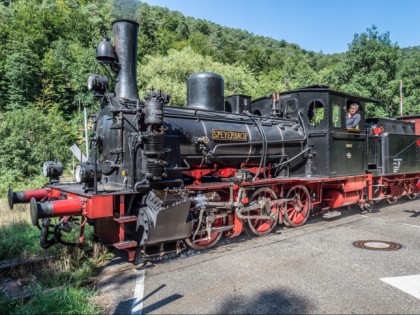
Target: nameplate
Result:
[[229, 135]]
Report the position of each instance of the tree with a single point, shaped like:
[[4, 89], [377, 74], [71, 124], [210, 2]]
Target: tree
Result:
[[29, 137], [409, 72], [369, 69], [4, 16], [35, 40], [21, 75], [65, 68], [170, 73]]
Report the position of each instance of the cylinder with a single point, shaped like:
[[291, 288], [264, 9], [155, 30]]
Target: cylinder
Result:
[[154, 112], [154, 144], [125, 42], [205, 90]]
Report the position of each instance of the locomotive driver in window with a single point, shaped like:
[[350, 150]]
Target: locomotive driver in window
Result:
[[353, 117]]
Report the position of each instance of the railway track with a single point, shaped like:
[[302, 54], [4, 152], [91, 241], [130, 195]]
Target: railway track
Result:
[[11, 265]]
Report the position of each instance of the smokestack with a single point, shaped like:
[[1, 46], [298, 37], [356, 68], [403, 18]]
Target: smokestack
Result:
[[125, 43]]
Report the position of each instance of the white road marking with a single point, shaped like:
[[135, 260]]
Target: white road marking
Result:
[[389, 221], [412, 225], [137, 306], [408, 284]]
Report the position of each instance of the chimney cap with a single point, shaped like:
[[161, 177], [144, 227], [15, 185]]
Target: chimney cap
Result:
[[125, 20]]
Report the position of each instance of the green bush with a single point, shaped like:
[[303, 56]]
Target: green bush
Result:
[[179, 65], [28, 138]]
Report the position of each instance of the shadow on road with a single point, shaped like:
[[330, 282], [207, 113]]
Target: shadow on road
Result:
[[124, 307], [267, 302], [414, 213]]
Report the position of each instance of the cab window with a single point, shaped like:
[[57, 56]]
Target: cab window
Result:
[[336, 115], [353, 115], [316, 112]]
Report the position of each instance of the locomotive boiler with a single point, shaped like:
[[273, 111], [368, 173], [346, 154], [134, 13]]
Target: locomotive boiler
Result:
[[141, 145], [161, 177]]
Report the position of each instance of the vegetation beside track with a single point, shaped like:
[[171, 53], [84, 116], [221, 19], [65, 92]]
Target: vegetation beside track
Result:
[[55, 285], [67, 300]]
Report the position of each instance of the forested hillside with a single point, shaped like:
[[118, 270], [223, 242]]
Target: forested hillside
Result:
[[47, 52]]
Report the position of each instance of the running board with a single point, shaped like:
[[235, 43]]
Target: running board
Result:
[[126, 219], [331, 214], [125, 245]]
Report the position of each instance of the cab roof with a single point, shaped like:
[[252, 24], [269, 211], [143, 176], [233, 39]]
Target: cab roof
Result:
[[324, 88]]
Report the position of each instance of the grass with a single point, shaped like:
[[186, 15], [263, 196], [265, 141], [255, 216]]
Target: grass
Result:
[[18, 237], [24, 235], [55, 283], [73, 266], [67, 300]]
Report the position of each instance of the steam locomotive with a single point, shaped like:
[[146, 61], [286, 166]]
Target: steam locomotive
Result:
[[159, 178]]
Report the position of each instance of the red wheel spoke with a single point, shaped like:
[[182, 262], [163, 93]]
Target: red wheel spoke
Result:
[[297, 210], [256, 222], [291, 212], [201, 241], [263, 227], [258, 226]]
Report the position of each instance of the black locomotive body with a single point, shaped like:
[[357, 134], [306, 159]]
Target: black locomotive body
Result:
[[339, 152], [396, 151], [159, 177]]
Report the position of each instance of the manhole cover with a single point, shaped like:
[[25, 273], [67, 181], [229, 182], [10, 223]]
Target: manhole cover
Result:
[[377, 245]]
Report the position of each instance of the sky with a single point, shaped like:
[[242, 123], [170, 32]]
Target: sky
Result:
[[326, 26]]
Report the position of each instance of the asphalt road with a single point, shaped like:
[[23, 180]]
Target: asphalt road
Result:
[[312, 269]]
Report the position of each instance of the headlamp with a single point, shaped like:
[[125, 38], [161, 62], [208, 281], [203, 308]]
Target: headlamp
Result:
[[52, 169]]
